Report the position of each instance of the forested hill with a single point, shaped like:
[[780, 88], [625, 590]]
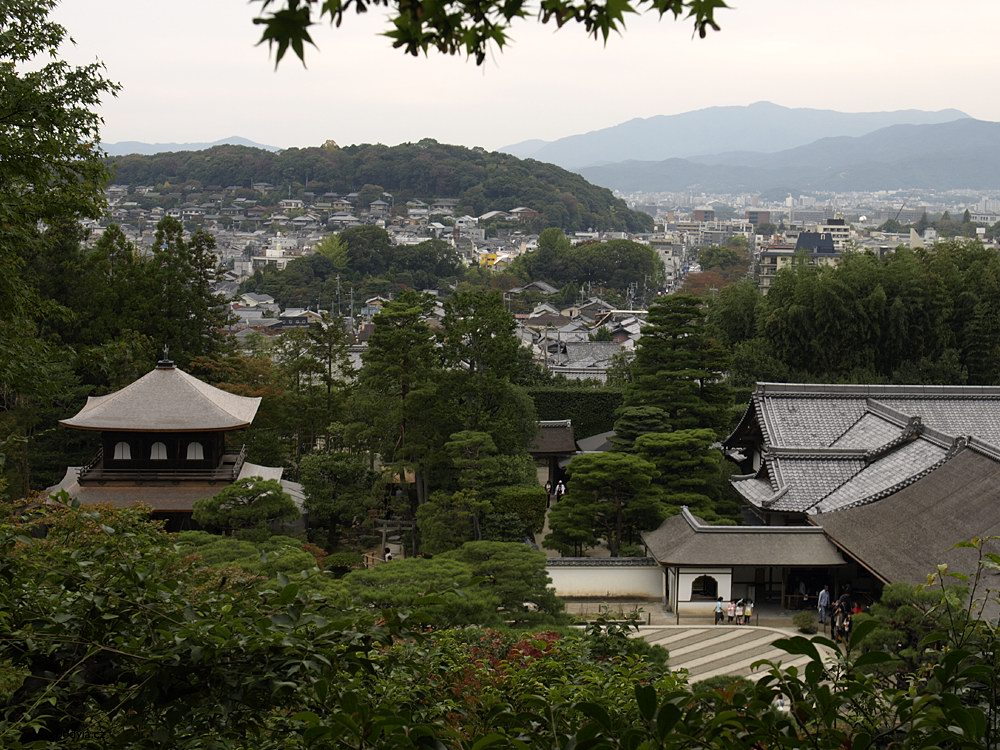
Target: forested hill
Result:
[[481, 180]]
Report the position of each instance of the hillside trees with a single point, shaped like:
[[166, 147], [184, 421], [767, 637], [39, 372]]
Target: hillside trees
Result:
[[614, 265], [923, 316], [246, 507], [50, 176], [481, 181]]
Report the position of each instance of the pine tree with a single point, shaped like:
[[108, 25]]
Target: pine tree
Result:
[[679, 368]]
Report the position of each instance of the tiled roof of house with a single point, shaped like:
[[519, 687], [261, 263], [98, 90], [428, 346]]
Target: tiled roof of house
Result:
[[824, 448], [686, 540]]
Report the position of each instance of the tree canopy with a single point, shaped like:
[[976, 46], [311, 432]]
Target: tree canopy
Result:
[[465, 27]]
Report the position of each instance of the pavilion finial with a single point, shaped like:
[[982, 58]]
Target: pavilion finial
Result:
[[166, 363]]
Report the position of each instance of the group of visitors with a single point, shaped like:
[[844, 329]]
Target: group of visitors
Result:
[[558, 491], [736, 612], [840, 613]]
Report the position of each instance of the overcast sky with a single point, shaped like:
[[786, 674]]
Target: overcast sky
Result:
[[190, 71]]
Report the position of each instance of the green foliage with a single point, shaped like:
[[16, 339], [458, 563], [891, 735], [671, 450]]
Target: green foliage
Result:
[[480, 180], [592, 410], [516, 575], [338, 488], [526, 503], [613, 265], [679, 367], [688, 471], [608, 495], [805, 622], [925, 316], [467, 29], [635, 421], [51, 176], [437, 592], [447, 521], [246, 505], [115, 638]]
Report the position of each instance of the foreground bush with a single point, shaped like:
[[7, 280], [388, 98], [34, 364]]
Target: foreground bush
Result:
[[112, 638]]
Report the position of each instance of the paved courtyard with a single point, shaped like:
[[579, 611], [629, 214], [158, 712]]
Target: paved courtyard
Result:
[[719, 650]]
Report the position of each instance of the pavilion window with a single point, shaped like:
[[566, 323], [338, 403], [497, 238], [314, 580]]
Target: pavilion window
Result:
[[123, 451], [704, 587], [195, 452], [158, 452]]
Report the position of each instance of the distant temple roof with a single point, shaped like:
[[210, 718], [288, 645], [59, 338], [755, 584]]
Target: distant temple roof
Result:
[[825, 448], [166, 400]]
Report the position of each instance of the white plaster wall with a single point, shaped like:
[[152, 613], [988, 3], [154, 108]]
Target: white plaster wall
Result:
[[723, 576], [600, 582]]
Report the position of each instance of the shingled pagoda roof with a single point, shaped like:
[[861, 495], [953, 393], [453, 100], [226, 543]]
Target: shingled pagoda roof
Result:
[[165, 400], [825, 448]]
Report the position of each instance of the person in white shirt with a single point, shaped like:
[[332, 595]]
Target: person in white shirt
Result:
[[823, 604]]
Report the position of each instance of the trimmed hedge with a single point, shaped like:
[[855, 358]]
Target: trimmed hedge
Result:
[[592, 410]]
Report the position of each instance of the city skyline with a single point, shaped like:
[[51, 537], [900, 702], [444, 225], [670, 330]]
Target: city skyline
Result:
[[192, 72]]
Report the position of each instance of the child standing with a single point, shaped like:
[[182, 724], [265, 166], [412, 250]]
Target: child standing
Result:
[[731, 610]]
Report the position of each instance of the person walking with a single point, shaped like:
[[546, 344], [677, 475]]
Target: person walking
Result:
[[718, 610], [823, 604], [747, 612], [731, 611], [560, 490], [548, 493]]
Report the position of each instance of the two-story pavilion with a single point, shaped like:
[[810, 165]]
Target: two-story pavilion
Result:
[[166, 440]]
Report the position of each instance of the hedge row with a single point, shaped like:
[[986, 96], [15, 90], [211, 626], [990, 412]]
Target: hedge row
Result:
[[591, 409]]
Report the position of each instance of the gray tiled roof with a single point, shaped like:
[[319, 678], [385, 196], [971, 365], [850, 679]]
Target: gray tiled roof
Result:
[[897, 468], [870, 431], [166, 399], [810, 421], [809, 479], [756, 491], [904, 537], [808, 431], [978, 417]]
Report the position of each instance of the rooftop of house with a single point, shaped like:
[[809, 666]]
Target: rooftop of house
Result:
[[685, 539]]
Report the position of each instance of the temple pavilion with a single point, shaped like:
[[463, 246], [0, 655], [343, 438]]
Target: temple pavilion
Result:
[[166, 440]]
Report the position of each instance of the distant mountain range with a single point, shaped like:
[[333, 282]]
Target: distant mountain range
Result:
[[964, 153], [121, 148], [763, 126]]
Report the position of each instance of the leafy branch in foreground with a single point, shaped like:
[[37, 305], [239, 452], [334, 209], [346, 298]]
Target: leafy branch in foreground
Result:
[[467, 26]]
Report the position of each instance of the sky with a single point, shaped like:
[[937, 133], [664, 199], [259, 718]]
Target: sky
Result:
[[190, 71]]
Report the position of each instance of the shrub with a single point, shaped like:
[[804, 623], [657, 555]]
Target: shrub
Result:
[[806, 622], [342, 563]]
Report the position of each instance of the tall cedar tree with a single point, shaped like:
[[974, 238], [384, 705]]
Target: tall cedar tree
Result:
[[679, 367], [399, 362], [185, 314]]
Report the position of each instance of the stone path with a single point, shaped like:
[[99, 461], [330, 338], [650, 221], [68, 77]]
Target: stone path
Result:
[[719, 650]]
